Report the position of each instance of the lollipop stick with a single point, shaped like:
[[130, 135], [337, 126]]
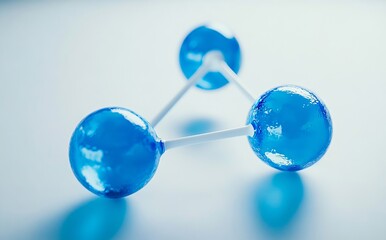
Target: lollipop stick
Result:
[[215, 60], [232, 77], [200, 73], [206, 137]]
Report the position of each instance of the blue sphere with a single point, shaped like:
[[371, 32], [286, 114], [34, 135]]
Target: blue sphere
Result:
[[205, 39], [114, 152], [293, 128]]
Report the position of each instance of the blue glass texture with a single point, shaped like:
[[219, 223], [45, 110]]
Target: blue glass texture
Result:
[[203, 40], [293, 128], [114, 152]]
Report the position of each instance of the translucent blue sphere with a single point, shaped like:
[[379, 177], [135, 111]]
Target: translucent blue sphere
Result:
[[293, 128], [203, 40], [114, 152]]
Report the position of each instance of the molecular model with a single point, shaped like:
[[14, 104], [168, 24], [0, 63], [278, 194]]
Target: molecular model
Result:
[[114, 152]]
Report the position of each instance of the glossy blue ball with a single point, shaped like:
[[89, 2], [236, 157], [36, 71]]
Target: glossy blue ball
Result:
[[114, 152], [293, 128], [203, 40]]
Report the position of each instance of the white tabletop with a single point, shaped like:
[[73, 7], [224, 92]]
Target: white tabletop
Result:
[[62, 60]]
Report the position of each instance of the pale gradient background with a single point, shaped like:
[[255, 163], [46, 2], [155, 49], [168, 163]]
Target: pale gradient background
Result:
[[59, 61]]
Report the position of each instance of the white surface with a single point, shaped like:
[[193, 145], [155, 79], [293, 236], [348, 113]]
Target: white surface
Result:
[[60, 61]]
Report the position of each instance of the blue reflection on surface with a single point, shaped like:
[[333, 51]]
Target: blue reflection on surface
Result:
[[211, 37], [97, 219], [198, 126], [278, 199]]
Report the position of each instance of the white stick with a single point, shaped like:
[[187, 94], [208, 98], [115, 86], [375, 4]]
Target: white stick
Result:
[[232, 77], [200, 73], [213, 61], [201, 138]]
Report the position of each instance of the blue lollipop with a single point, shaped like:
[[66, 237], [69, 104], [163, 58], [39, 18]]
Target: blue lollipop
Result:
[[114, 152], [210, 57], [206, 39], [293, 128]]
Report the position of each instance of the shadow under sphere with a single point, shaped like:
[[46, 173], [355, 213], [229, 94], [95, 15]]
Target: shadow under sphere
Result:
[[97, 219], [278, 199]]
